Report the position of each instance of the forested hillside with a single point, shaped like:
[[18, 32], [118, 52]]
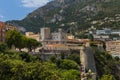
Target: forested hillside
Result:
[[73, 14]]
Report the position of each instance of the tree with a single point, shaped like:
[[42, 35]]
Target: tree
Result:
[[74, 57], [117, 58], [19, 41], [23, 66], [10, 38], [62, 55], [12, 70], [107, 77], [53, 59], [109, 63], [71, 75], [15, 38], [36, 44], [32, 44], [68, 64], [90, 36], [3, 47]]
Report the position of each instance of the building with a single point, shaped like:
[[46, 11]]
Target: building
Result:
[[10, 27], [105, 34], [56, 49], [103, 31], [3, 29], [113, 47], [32, 35], [53, 43], [101, 37], [2, 32], [45, 34], [116, 32], [58, 37]]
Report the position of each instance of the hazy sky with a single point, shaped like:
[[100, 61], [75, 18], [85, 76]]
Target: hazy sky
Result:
[[18, 9]]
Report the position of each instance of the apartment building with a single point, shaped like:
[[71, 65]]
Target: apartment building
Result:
[[2, 32], [3, 29]]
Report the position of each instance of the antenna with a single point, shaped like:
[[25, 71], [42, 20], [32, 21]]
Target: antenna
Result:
[[44, 22]]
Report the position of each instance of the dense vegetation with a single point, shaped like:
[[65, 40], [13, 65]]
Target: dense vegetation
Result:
[[23, 66], [107, 66]]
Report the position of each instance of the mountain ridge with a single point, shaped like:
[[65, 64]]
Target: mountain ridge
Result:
[[76, 15]]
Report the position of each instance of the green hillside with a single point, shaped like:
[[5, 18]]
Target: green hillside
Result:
[[73, 15]]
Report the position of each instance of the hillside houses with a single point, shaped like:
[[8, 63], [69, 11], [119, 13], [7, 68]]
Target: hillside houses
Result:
[[105, 34]]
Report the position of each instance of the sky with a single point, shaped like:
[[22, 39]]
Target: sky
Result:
[[18, 9]]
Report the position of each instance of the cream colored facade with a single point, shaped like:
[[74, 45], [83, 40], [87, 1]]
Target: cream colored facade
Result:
[[32, 35], [113, 47], [70, 37]]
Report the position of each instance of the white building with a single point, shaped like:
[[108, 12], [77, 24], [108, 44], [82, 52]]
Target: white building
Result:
[[116, 32], [101, 37], [104, 31]]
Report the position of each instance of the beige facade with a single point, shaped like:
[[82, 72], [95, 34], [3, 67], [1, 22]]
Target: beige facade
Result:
[[113, 47], [45, 33], [70, 37], [32, 35]]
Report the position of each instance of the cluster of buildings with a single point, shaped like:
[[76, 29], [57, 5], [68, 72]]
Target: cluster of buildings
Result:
[[111, 39], [4, 28], [105, 34], [56, 42], [62, 42]]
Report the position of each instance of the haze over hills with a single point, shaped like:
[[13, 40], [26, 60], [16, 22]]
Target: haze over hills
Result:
[[73, 15]]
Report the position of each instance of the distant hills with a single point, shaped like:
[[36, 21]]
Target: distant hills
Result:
[[74, 15]]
